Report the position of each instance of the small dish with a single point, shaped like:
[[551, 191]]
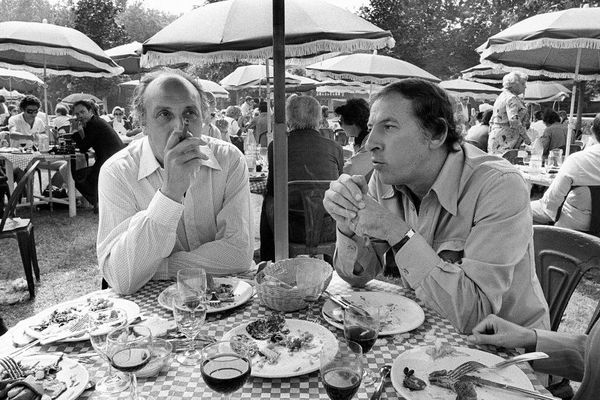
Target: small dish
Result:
[[161, 359]]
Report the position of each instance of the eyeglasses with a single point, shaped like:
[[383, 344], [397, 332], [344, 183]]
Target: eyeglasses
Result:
[[118, 114], [30, 111]]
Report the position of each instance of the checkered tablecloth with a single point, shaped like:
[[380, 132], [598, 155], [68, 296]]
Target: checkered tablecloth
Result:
[[180, 382], [20, 160], [258, 186]]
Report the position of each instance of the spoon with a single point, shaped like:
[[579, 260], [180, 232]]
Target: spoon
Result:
[[383, 373]]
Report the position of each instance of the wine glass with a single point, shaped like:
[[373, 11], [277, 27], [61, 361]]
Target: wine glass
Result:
[[189, 313], [112, 382], [311, 295], [362, 326], [191, 282], [129, 349], [342, 369], [225, 367]]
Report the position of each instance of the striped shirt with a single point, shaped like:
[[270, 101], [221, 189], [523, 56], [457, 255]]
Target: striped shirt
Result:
[[144, 235]]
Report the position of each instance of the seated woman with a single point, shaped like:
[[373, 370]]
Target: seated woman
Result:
[[555, 134], [310, 157], [569, 191], [576, 357], [354, 116], [478, 134]]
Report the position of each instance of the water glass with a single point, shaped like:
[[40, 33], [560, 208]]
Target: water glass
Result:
[[342, 369], [189, 313], [191, 282]]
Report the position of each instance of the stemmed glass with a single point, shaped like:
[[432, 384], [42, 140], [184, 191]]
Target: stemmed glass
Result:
[[225, 369], [189, 310], [362, 326], [112, 382], [342, 369], [311, 295], [129, 349]]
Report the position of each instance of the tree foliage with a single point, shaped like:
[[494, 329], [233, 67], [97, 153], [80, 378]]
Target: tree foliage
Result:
[[96, 18], [141, 23]]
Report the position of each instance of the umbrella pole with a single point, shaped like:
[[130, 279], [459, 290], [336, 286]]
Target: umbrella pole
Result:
[[280, 158], [573, 95], [268, 103], [46, 99]]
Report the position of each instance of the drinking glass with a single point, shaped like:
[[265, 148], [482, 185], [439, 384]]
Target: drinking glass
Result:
[[362, 326], [189, 313], [129, 349], [342, 369], [311, 295], [112, 382], [225, 369], [191, 282]]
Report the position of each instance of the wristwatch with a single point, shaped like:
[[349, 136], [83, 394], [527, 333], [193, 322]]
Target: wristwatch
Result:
[[396, 247]]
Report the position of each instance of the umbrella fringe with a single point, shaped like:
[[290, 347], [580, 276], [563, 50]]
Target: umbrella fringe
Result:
[[543, 72], [109, 69], [153, 59], [583, 43]]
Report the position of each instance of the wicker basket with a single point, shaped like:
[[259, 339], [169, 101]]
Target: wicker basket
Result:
[[282, 294]]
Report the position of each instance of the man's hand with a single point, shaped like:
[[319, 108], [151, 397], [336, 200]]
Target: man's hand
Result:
[[499, 332], [181, 157], [343, 200], [376, 221]]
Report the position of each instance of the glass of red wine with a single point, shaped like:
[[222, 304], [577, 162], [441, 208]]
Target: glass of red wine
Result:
[[362, 325], [342, 369], [129, 349], [225, 367]]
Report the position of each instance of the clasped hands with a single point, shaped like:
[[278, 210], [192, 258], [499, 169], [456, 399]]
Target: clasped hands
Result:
[[356, 212]]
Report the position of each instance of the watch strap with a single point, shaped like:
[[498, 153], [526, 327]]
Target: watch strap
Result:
[[396, 247]]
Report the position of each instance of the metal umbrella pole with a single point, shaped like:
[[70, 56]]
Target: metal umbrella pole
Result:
[[573, 95]]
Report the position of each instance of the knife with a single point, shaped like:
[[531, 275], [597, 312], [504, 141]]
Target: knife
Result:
[[508, 388]]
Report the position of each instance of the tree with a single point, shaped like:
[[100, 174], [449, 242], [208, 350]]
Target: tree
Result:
[[35, 10], [97, 19], [141, 23]]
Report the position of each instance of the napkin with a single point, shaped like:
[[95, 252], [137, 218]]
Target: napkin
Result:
[[22, 389]]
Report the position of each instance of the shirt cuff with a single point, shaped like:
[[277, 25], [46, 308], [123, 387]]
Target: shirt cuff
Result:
[[165, 211], [416, 259]]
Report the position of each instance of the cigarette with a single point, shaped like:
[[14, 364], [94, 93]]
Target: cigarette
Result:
[[186, 128]]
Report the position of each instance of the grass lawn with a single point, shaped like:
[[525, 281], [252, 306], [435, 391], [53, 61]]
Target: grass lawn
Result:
[[66, 249]]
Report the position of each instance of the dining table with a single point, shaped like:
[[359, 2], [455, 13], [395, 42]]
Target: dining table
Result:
[[17, 159], [536, 177], [185, 382]]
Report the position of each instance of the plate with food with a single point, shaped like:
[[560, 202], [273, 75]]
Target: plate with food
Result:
[[58, 377], [429, 364], [398, 313], [73, 317], [280, 347], [226, 294]]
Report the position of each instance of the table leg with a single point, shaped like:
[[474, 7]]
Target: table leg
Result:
[[71, 192], [10, 175]]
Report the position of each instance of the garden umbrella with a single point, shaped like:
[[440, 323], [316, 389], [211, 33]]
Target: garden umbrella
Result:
[[259, 29], [252, 76], [51, 49], [72, 98], [11, 94], [539, 92], [369, 68], [492, 75], [127, 56], [463, 88], [562, 44], [210, 86], [19, 80]]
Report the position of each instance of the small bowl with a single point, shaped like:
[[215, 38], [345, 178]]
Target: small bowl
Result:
[[161, 359]]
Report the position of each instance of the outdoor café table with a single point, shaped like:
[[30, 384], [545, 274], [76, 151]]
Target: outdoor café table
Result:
[[536, 178], [22, 160], [181, 382]]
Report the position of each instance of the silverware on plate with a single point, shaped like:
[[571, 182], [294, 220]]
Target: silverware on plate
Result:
[[384, 372]]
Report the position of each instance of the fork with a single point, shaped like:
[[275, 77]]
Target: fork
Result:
[[342, 302], [12, 368], [81, 325], [472, 366]]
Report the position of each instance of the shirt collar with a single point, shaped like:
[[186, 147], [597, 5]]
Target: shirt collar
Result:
[[446, 185], [149, 163]]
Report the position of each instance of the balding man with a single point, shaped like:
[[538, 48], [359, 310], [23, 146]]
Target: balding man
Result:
[[173, 199]]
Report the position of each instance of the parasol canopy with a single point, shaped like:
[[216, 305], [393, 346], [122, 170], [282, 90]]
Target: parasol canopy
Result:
[[243, 30], [11, 95], [217, 90], [19, 80], [548, 44], [127, 56], [252, 76], [540, 92], [369, 68], [57, 50], [464, 88]]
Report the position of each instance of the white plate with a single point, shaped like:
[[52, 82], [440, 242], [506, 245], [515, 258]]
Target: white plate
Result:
[[131, 309], [73, 374], [418, 360], [398, 313], [242, 292], [294, 364]]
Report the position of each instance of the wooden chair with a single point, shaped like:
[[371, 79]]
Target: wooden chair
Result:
[[562, 257], [22, 230], [319, 227]]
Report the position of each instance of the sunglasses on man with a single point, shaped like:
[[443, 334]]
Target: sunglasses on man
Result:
[[31, 111]]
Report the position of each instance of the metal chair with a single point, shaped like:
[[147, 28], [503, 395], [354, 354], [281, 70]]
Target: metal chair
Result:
[[22, 230], [562, 258], [319, 228]]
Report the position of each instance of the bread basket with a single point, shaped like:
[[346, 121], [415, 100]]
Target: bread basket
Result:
[[277, 285]]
